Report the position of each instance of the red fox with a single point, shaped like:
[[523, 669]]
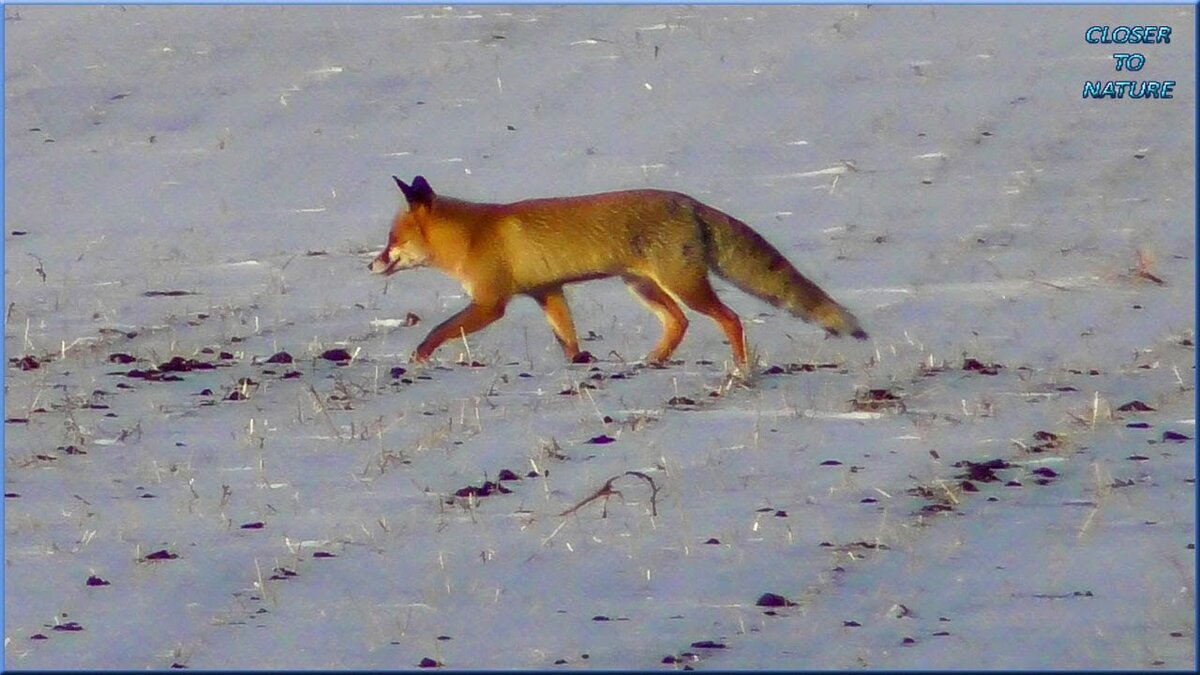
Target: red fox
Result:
[[662, 244]]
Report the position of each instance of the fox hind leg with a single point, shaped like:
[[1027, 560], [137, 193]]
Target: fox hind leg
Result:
[[558, 315], [666, 309], [698, 294]]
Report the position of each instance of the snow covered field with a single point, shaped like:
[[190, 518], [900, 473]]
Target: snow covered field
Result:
[[1002, 477]]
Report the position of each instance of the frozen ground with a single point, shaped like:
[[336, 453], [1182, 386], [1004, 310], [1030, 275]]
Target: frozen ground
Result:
[[185, 181]]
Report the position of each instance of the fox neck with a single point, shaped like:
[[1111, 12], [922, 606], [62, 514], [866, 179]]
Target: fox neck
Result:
[[449, 231]]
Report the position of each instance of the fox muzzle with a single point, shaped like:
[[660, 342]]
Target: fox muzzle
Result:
[[380, 264], [390, 261]]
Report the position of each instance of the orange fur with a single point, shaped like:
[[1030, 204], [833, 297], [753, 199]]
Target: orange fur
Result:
[[662, 244]]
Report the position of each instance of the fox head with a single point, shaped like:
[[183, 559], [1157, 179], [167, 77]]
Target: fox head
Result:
[[407, 244]]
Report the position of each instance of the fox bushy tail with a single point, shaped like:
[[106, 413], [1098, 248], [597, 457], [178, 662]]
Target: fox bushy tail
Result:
[[742, 257]]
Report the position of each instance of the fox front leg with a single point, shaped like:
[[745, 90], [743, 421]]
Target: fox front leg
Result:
[[558, 315], [472, 318]]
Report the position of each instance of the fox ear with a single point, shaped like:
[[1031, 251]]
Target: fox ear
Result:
[[417, 194], [421, 192]]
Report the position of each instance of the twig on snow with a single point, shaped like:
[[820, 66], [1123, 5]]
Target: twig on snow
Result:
[[607, 491]]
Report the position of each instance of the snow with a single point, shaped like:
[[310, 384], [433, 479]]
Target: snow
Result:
[[197, 180]]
